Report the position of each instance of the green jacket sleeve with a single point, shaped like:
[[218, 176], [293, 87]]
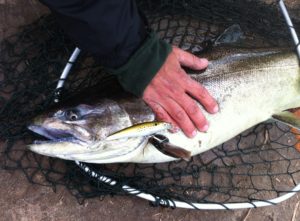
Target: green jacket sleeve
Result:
[[136, 74]]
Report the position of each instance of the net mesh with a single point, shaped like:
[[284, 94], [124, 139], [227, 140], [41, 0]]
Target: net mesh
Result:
[[259, 164]]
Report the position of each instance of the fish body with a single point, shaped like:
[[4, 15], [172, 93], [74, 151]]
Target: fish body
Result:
[[249, 85]]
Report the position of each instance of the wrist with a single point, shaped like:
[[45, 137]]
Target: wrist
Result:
[[137, 73]]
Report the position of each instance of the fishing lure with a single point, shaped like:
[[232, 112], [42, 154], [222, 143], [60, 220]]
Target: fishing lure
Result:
[[139, 130]]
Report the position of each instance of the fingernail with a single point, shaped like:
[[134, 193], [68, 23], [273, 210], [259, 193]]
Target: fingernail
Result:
[[175, 129], [203, 61], [216, 109], [205, 128], [194, 133]]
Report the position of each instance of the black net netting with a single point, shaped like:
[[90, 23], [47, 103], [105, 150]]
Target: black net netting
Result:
[[260, 164]]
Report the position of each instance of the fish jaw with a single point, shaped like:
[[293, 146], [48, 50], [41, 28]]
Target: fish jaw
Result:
[[59, 142], [50, 133]]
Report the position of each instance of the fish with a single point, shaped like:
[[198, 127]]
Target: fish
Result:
[[250, 85]]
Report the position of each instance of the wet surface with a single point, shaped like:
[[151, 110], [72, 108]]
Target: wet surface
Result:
[[21, 200]]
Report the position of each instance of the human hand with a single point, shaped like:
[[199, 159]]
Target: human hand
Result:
[[172, 93]]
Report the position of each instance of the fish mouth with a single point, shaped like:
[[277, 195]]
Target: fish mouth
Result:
[[53, 135]]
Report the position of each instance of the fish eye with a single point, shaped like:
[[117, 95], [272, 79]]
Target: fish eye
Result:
[[72, 115]]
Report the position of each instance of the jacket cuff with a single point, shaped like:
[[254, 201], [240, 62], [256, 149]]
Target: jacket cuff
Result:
[[136, 74]]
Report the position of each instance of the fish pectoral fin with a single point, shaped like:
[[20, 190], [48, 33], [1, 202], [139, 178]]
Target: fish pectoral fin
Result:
[[288, 118], [163, 145]]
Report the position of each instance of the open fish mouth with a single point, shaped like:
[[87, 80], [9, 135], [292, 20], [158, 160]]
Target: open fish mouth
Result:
[[54, 135], [51, 134]]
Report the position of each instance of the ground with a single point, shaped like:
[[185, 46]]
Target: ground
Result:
[[21, 200]]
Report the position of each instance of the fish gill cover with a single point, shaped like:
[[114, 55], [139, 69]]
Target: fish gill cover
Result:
[[259, 164]]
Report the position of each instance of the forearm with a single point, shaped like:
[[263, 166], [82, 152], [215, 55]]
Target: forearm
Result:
[[110, 30]]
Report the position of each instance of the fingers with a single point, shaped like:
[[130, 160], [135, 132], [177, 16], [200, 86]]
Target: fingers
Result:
[[193, 111], [180, 117], [199, 92], [179, 110], [168, 110], [162, 114], [189, 60]]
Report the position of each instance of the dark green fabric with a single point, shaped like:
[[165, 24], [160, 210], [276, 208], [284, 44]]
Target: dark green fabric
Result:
[[137, 73]]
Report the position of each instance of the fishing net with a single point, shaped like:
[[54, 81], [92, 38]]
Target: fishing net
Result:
[[259, 164]]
